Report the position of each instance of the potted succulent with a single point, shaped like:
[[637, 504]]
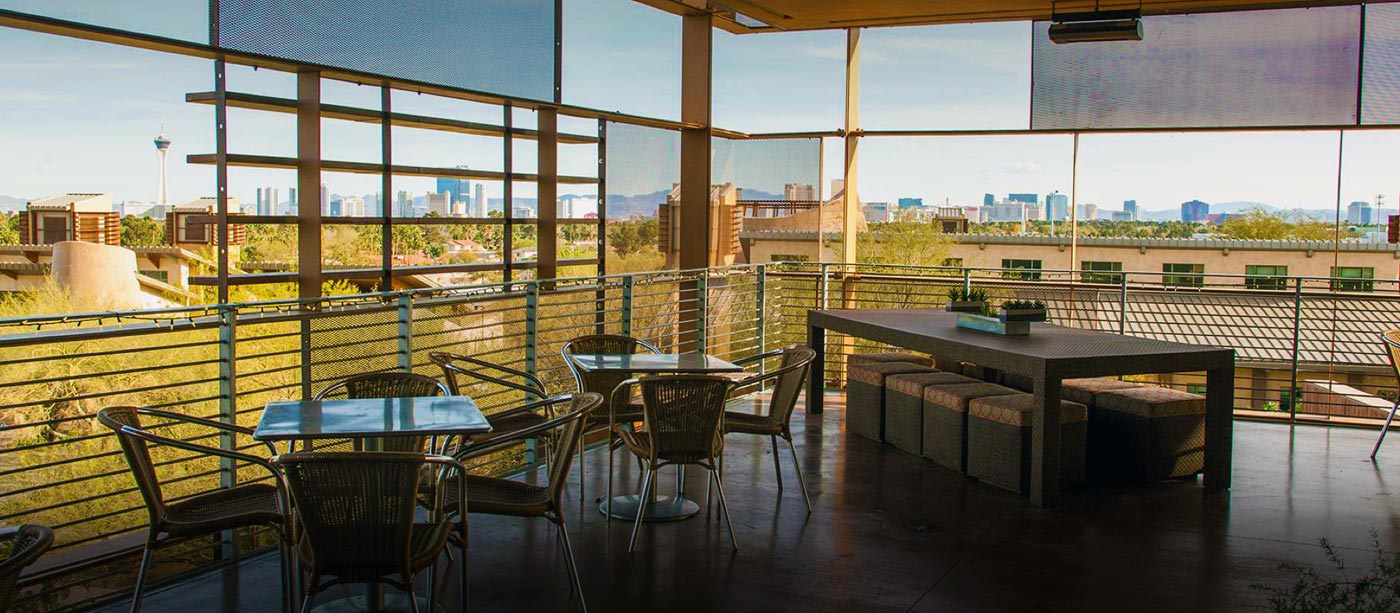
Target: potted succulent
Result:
[[1022, 310], [967, 300]]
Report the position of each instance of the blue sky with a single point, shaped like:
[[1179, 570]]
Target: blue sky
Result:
[[79, 116]]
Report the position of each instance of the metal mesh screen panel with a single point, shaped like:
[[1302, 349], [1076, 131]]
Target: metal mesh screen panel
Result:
[[349, 345], [764, 169], [500, 46], [1256, 68], [644, 164], [1380, 65]]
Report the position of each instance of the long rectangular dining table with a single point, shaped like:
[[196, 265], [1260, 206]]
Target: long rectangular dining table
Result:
[[1047, 356]]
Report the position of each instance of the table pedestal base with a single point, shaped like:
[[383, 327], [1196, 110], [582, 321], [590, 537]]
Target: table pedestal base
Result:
[[665, 508]]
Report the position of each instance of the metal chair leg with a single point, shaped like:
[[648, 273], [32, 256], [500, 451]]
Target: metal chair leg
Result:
[[141, 575], [571, 565], [723, 506], [1384, 429], [777, 470], [310, 593], [649, 482], [432, 587], [412, 597], [797, 466], [581, 467]]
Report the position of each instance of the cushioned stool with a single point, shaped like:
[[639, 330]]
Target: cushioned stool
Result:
[[1083, 390], [999, 441], [865, 395], [945, 420], [1146, 434], [904, 406]]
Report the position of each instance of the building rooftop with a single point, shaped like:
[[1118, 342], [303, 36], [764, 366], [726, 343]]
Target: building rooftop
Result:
[[82, 203]]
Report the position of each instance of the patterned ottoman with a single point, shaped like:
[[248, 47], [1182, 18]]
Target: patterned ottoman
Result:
[[1083, 390], [1146, 434], [865, 395], [999, 441], [945, 420], [904, 406]]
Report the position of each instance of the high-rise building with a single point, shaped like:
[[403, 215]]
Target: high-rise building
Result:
[[325, 200], [1088, 211], [403, 205], [1361, 213], [1194, 211], [440, 203], [1056, 207], [267, 201], [1026, 198], [292, 205], [460, 189], [799, 191], [1130, 208], [352, 206], [988, 200], [480, 201], [876, 212], [1004, 211], [911, 203]]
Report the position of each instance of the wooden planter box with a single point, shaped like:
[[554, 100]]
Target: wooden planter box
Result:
[[966, 306], [993, 325], [1027, 315]]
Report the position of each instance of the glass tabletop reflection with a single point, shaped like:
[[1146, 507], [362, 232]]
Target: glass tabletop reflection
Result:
[[641, 363], [373, 417]]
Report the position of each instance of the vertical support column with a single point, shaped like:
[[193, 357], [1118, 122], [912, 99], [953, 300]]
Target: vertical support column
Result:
[[626, 324], [309, 184], [1123, 303], [228, 412], [1293, 398], [547, 224], [761, 301], [850, 210], [532, 326], [386, 132], [221, 175], [508, 190], [601, 316], [702, 311], [406, 332], [696, 240]]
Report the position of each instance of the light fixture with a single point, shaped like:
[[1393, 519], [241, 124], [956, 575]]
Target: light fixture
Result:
[[1096, 26]]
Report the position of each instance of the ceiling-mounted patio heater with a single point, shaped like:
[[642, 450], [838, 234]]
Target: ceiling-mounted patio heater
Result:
[[1096, 26]]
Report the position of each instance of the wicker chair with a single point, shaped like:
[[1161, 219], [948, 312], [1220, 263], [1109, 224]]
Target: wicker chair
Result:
[[621, 408], [355, 519], [790, 377], [683, 417], [385, 384], [251, 504], [28, 543], [504, 424], [495, 496], [1391, 339]]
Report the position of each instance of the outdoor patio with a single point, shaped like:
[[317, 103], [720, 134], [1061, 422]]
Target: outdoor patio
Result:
[[893, 532]]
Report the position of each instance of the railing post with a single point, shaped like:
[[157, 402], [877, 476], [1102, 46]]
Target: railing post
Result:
[[761, 300], [702, 309], [967, 280], [532, 313], [821, 287], [1123, 303], [406, 332], [1297, 341], [626, 324], [228, 410]]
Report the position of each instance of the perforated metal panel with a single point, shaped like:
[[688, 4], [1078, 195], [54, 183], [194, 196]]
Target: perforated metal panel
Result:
[[499, 46]]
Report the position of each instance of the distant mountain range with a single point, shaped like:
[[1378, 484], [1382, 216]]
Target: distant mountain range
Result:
[[1234, 208], [12, 203]]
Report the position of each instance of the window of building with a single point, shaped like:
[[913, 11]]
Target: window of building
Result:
[[1102, 272], [788, 257], [1196, 388], [160, 275], [1266, 277], [1031, 268], [1187, 275], [53, 229], [1353, 279]]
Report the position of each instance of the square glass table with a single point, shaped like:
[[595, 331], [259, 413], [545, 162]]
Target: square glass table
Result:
[[659, 508], [370, 419]]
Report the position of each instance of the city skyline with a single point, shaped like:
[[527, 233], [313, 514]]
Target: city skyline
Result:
[[974, 76]]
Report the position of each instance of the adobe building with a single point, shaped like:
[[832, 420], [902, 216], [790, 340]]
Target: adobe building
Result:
[[70, 217]]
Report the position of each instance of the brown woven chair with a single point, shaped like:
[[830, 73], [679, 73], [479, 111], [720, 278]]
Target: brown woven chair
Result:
[[355, 519], [504, 424], [250, 504], [621, 408], [495, 496], [385, 384], [27, 544], [776, 422], [1391, 339], [682, 420]]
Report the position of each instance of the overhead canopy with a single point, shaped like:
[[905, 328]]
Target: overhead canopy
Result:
[[774, 15]]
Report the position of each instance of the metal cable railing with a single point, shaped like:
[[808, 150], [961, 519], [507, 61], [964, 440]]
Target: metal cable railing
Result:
[[1307, 348]]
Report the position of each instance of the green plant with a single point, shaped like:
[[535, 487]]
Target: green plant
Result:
[[1023, 305], [1313, 592], [959, 294]]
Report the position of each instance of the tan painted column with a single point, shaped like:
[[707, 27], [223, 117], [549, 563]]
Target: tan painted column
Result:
[[851, 211], [695, 228], [309, 184], [547, 224]]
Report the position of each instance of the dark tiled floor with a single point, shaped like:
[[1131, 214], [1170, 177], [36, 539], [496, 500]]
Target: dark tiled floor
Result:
[[892, 532]]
